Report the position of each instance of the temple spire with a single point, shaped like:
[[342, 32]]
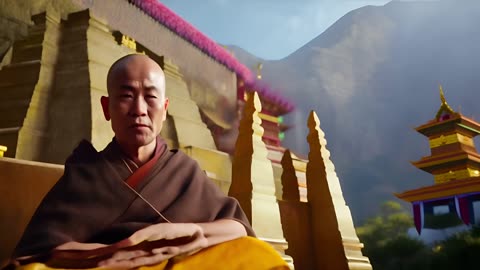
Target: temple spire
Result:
[[331, 219], [253, 181]]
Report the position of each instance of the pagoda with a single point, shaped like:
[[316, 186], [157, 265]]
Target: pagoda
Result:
[[455, 164]]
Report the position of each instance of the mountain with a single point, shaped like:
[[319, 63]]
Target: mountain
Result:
[[372, 77]]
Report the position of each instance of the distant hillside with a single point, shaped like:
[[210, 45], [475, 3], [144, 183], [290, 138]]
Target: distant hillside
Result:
[[373, 76]]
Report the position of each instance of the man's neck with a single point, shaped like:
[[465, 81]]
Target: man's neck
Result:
[[139, 155]]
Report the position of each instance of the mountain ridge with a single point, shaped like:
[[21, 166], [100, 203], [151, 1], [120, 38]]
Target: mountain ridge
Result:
[[371, 77]]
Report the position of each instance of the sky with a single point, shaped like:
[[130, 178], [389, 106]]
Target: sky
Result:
[[270, 29]]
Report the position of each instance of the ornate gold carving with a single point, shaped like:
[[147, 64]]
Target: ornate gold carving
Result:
[[449, 139], [129, 42], [455, 175]]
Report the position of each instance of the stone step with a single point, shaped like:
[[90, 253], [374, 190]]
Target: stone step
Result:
[[12, 118], [17, 73], [17, 91], [32, 39], [200, 138], [187, 110], [13, 104], [36, 30], [27, 54]]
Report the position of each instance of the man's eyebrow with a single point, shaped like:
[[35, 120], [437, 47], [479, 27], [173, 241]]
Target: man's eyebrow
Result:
[[126, 87], [151, 87]]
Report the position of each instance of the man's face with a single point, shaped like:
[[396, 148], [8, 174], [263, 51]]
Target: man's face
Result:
[[136, 104]]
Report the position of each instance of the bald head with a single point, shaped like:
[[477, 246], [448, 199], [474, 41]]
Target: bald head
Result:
[[133, 64], [136, 102]]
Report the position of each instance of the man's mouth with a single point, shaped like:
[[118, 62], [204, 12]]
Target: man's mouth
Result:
[[139, 126]]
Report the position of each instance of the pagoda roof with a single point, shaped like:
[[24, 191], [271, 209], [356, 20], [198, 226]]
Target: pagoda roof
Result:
[[447, 117], [428, 163], [452, 188], [178, 25], [444, 107], [432, 127]]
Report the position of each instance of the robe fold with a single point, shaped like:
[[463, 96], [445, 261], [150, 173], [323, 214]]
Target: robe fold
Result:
[[92, 203]]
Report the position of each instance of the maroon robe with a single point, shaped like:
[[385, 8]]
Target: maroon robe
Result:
[[91, 203]]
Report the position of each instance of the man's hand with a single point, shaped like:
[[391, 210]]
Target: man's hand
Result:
[[79, 255], [147, 246], [76, 250], [151, 245]]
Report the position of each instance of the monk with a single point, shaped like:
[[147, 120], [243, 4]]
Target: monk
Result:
[[137, 203]]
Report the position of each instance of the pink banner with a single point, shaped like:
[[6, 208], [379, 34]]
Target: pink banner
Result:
[[418, 216], [464, 209]]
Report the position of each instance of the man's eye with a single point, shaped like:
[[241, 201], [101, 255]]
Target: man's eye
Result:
[[151, 96], [126, 96]]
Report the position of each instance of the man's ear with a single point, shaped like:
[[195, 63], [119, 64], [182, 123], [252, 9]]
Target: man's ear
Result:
[[104, 101], [165, 107]]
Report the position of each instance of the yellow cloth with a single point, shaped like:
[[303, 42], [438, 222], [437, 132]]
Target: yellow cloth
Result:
[[244, 253]]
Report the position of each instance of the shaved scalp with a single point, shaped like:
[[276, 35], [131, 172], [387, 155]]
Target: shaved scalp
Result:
[[120, 65]]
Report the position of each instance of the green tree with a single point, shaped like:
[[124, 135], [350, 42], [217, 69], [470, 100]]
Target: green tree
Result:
[[460, 251], [386, 241], [389, 247]]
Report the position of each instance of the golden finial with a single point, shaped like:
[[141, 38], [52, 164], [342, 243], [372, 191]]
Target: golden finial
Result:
[[442, 96], [259, 70], [444, 107]]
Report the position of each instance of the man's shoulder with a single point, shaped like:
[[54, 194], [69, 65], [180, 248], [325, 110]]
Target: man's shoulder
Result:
[[181, 155], [178, 158], [84, 151]]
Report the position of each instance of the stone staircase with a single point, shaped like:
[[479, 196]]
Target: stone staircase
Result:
[[23, 84], [184, 111]]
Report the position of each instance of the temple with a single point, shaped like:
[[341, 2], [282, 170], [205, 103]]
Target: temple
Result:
[[454, 162], [53, 73]]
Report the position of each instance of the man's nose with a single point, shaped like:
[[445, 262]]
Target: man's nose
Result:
[[139, 107]]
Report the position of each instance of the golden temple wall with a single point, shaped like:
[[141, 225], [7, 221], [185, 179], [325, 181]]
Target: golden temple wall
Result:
[[212, 86], [41, 47], [73, 111], [67, 78]]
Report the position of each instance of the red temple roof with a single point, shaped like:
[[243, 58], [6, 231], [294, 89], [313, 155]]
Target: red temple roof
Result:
[[175, 23], [276, 104]]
